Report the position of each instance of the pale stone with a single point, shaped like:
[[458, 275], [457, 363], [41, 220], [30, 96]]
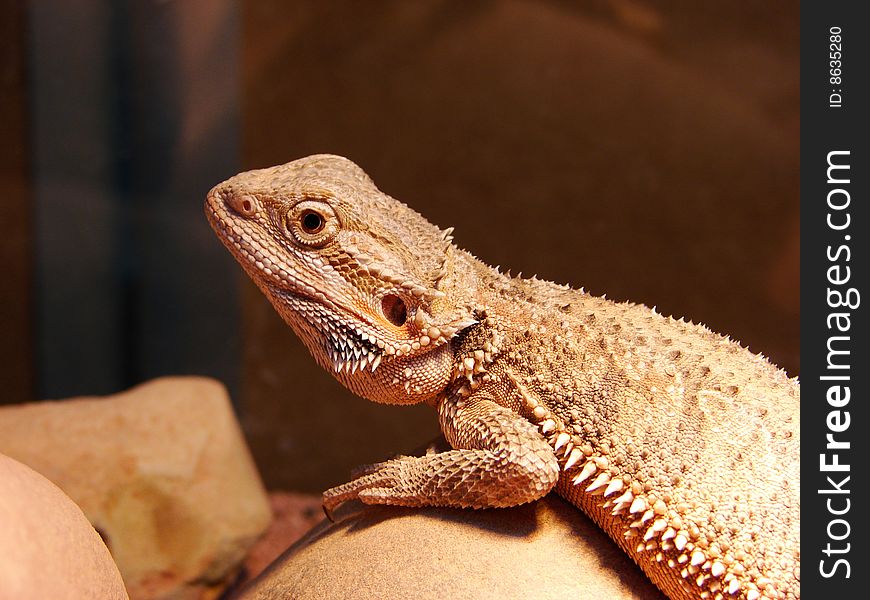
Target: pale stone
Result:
[[161, 470], [293, 514], [48, 549], [544, 550]]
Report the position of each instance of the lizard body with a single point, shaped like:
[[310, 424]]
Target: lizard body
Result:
[[682, 445]]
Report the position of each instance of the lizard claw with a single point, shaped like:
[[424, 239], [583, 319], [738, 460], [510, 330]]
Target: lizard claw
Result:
[[384, 475], [328, 512]]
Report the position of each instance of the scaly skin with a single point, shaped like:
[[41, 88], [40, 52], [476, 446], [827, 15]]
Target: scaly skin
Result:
[[678, 442]]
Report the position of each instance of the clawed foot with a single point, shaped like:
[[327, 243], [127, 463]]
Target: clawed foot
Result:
[[328, 513], [372, 484], [467, 478]]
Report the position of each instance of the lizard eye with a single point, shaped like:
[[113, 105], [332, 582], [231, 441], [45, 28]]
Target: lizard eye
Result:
[[312, 223]]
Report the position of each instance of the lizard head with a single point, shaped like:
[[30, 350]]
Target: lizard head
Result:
[[357, 274]]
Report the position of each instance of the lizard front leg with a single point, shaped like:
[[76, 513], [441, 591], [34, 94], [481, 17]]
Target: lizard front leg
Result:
[[500, 459]]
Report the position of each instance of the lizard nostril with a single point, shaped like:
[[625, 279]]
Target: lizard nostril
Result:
[[244, 205]]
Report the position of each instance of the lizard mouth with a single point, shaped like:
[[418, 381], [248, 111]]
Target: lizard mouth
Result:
[[232, 234]]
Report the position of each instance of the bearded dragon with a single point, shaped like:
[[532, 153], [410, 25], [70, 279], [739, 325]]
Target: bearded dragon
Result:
[[678, 442]]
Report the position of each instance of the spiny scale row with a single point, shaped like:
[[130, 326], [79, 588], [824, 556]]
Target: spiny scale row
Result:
[[352, 349], [474, 364], [664, 532], [352, 365]]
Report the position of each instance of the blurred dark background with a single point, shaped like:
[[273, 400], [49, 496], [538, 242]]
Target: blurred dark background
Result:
[[646, 149]]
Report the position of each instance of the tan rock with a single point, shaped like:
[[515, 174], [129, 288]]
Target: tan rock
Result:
[[293, 515], [48, 549], [162, 471], [544, 550]]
